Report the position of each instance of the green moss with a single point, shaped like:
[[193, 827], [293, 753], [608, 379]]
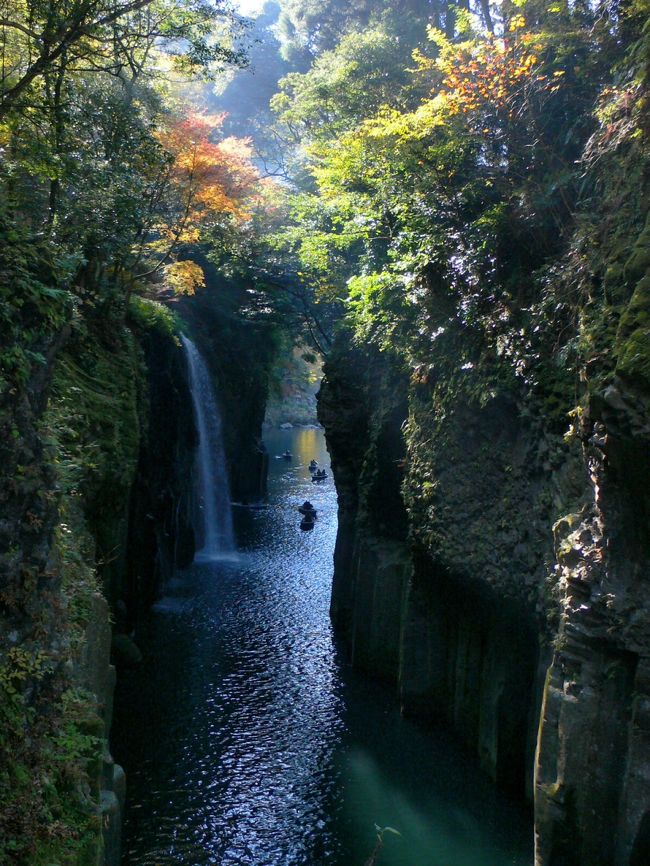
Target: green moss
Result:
[[54, 742], [49, 728], [53, 749], [638, 264], [93, 418], [33, 307], [75, 551], [633, 338]]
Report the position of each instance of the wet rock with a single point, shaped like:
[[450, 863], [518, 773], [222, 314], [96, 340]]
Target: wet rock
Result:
[[125, 652], [111, 818], [613, 398]]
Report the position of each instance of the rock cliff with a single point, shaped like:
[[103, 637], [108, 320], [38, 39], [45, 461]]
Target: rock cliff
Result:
[[493, 543], [240, 354], [493, 475], [96, 495], [494, 573]]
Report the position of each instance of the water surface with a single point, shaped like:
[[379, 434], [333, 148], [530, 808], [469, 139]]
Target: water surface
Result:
[[247, 741]]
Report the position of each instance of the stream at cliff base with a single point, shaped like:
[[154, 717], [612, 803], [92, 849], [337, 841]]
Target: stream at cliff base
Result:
[[247, 741]]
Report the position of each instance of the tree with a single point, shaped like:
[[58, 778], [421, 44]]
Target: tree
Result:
[[40, 38], [345, 85], [309, 27], [205, 183], [427, 205]]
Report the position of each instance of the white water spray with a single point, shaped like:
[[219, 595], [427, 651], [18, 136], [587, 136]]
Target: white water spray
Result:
[[214, 490]]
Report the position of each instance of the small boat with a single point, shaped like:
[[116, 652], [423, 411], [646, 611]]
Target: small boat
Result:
[[287, 455], [306, 523], [319, 475]]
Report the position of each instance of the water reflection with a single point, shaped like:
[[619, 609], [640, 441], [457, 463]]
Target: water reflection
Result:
[[246, 743]]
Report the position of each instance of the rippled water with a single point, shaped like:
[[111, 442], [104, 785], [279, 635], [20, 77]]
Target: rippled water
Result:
[[247, 742]]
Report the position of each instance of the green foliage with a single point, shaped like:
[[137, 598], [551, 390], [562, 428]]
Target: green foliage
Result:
[[244, 94], [452, 215], [633, 338], [380, 306], [309, 27], [93, 418], [366, 71], [49, 790], [49, 730], [104, 37], [32, 310], [51, 746], [89, 179], [149, 315]]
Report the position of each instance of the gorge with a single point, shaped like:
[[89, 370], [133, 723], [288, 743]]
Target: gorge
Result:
[[440, 208], [245, 738]]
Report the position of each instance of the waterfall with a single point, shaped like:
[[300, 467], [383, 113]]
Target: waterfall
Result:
[[214, 490]]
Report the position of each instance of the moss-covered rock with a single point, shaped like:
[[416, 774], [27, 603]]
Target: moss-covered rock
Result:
[[85, 439], [632, 345]]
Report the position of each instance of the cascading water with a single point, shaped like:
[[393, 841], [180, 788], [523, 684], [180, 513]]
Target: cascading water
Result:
[[214, 490]]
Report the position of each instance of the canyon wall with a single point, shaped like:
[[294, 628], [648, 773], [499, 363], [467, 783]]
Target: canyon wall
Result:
[[97, 503], [240, 353], [492, 461], [491, 563]]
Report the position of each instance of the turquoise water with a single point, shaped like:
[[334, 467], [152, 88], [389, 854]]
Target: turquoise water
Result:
[[247, 741]]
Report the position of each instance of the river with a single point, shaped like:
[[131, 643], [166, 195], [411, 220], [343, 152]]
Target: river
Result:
[[247, 741]]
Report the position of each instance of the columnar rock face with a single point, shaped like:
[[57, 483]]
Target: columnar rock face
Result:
[[493, 569], [94, 673], [161, 508], [593, 763], [101, 456], [137, 512]]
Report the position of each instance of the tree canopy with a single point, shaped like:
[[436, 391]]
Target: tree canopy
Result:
[[438, 178], [433, 158]]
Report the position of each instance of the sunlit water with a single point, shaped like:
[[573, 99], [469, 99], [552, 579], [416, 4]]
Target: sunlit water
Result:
[[245, 739]]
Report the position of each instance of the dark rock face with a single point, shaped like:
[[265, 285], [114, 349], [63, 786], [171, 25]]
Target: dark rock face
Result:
[[239, 354], [494, 572], [161, 534], [593, 797], [28, 503], [97, 459]]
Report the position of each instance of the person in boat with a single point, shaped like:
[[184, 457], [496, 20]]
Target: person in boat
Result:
[[313, 465]]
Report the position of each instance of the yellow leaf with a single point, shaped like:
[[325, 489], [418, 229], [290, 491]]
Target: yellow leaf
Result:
[[185, 277]]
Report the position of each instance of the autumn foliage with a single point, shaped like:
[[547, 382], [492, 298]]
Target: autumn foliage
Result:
[[208, 182], [493, 74]]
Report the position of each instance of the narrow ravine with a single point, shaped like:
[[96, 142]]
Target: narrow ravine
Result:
[[419, 232], [245, 739]]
